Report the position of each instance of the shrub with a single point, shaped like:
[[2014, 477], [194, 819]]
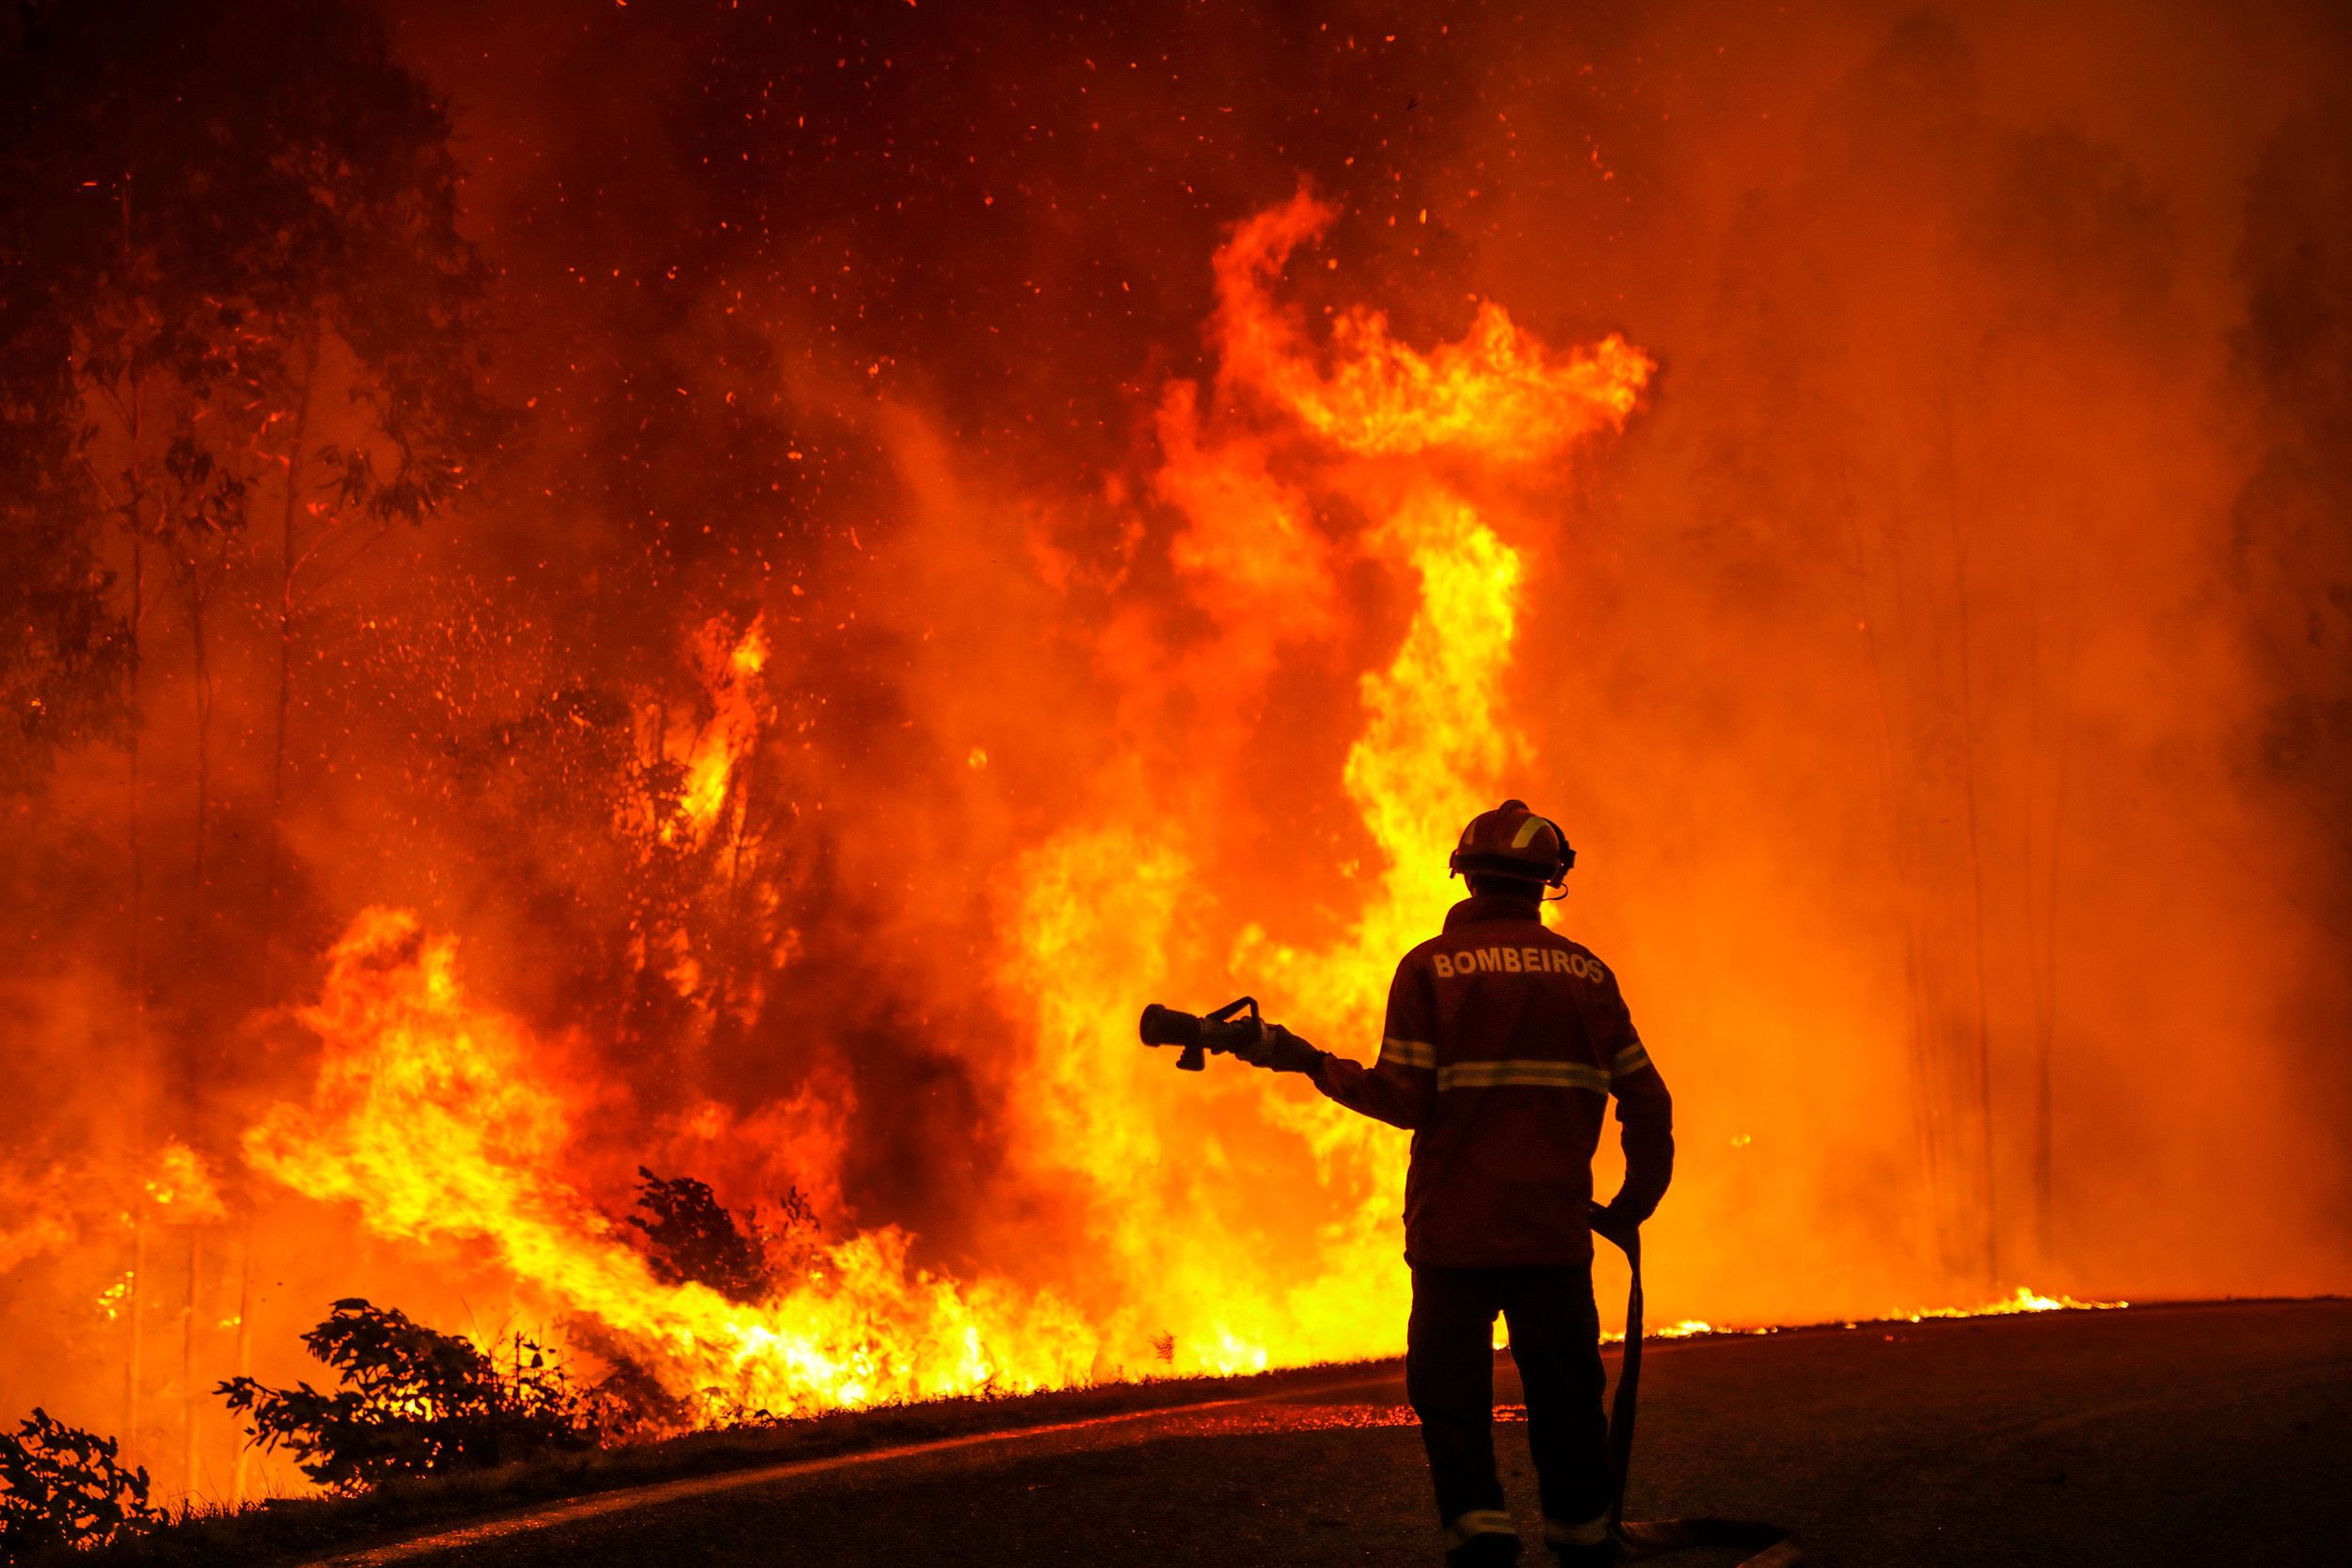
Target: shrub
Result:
[[415, 1400], [692, 1236], [63, 1487]]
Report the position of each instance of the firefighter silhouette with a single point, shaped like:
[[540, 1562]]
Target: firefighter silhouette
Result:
[[1503, 1045]]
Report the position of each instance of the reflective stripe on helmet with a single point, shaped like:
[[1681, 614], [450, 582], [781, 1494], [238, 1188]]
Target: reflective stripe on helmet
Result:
[[1479, 1521], [1523, 1073], [1512, 841]]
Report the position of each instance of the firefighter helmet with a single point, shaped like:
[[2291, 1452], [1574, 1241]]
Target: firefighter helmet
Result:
[[1512, 841]]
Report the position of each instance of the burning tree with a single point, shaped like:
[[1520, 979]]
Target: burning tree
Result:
[[690, 1235], [238, 337]]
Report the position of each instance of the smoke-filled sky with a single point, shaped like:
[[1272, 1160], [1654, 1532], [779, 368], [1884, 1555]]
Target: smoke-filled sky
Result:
[[1941, 667], [1956, 315]]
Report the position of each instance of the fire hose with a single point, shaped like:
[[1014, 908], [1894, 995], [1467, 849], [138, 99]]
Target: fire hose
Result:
[[1236, 1025], [1641, 1537]]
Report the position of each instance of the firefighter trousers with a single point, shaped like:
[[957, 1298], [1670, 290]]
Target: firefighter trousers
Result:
[[1449, 1376]]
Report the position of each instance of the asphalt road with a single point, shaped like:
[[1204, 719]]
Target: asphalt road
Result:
[[2156, 1436]]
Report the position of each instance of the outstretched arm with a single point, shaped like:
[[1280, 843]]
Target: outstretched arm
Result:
[[1398, 1088]]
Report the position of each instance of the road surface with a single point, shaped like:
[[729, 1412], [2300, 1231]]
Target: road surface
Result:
[[2156, 1436]]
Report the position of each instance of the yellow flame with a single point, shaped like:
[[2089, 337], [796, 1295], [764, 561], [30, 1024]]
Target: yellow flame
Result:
[[182, 1188], [2022, 1299], [442, 1119], [1497, 392], [713, 750]]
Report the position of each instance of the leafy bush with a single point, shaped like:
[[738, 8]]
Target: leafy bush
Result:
[[692, 1236], [415, 1400], [63, 1487]]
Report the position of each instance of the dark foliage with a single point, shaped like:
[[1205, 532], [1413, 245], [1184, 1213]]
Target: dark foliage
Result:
[[691, 1236], [201, 199], [415, 1402], [63, 1487], [305, 1530]]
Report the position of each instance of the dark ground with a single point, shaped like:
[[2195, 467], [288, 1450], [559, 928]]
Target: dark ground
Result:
[[2157, 1435]]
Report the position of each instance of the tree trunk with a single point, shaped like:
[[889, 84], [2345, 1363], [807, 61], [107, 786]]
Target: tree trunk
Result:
[[240, 1475], [134, 1352], [275, 833], [200, 915], [136, 518], [191, 1395], [1984, 1032], [2045, 963], [138, 1008], [1928, 1117]]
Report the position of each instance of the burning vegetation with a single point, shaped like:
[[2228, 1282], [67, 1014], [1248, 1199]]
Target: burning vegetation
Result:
[[631, 642]]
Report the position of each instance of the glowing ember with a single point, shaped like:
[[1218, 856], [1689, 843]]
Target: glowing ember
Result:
[[114, 1297]]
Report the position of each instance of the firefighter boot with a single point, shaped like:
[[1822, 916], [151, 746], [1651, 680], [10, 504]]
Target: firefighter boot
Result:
[[1590, 1544], [1491, 1550]]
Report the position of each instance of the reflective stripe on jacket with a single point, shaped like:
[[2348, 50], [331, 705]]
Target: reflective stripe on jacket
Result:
[[1503, 1044]]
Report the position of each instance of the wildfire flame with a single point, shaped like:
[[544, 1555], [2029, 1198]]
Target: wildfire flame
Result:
[[439, 1117], [712, 751], [2022, 1299], [445, 1121], [1095, 919], [181, 1188], [442, 1119], [652, 710]]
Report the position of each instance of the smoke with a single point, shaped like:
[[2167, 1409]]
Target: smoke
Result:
[[1940, 672], [1890, 668]]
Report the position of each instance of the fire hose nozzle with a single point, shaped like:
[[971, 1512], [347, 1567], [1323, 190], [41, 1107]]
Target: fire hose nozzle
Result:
[[1199, 1034]]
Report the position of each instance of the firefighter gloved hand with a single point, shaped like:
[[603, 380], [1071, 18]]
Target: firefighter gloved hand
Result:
[[1616, 1223], [1278, 1050]]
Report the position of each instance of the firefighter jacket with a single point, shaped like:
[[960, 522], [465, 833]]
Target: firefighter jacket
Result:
[[1503, 1043]]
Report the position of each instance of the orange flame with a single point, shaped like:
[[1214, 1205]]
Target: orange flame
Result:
[[712, 750], [442, 1119], [437, 1117], [2022, 1299], [1497, 392], [1093, 923], [181, 1188]]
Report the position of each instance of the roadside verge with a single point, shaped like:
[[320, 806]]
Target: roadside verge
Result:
[[413, 1520]]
